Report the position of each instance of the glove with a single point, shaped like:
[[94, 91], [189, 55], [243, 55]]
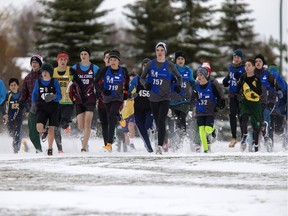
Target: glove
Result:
[[134, 95], [107, 92], [148, 86], [50, 97], [177, 89], [195, 94], [21, 105], [173, 80], [221, 103], [225, 82], [237, 75], [84, 98], [280, 94], [33, 108]]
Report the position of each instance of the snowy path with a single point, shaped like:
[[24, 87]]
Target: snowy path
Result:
[[222, 183]]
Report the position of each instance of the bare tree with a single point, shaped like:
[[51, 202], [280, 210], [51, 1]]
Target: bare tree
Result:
[[8, 68]]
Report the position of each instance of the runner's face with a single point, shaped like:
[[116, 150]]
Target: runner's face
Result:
[[160, 52], [114, 63], [249, 68], [46, 75], [180, 61], [14, 87], [200, 77], [35, 66], [62, 62], [106, 59], [84, 56], [236, 59], [258, 63]]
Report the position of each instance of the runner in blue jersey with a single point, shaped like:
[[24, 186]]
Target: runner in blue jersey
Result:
[[180, 103], [235, 70], [113, 83], [157, 77], [269, 88], [208, 95]]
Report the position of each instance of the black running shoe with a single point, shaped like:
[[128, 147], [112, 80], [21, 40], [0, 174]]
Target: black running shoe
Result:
[[214, 134], [44, 135], [132, 146], [50, 152]]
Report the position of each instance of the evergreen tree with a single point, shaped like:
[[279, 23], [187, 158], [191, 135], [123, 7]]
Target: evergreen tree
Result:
[[236, 29], [68, 25], [195, 37], [152, 21]]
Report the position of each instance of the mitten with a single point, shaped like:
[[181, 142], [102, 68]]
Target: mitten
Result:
[[237, 75], [177, 89], [226, 81], [195, 94], [173, 80], [134, 95], [84, 98], [50, 97], [107, 92], [148, 86], [221, 103]]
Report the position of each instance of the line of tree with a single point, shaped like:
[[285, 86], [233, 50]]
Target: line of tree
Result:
[[198, 27]]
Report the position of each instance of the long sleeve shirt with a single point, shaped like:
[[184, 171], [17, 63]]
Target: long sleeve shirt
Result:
[[46, 83], [2, 92]]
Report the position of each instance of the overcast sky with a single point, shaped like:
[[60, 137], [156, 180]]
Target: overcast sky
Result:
[[265, 13]]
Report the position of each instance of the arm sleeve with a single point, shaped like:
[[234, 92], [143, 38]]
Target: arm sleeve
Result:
[[95, 69], [58, 91], [133, 84], [35, 92], [3, 105], [258, 87], [240, 84], [216, 89], [126, 81], [273, 82], [191, 78], [145, 73], [98, 79], [24, 94], [2, 92], [176, 73], [76, 78]]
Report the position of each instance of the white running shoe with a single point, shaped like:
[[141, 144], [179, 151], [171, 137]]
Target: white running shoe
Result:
[[159, 150]]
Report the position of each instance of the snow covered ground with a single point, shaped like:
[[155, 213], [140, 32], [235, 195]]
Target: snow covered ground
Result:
[[225, 182]]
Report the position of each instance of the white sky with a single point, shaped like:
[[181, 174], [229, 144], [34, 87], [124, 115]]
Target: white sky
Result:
[[265, 12]]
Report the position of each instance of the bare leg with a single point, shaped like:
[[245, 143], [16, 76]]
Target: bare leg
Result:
[[40, 128], [87, 128], [50, 136]]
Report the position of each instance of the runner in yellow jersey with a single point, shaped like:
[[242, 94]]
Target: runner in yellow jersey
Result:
[[64, 74]]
